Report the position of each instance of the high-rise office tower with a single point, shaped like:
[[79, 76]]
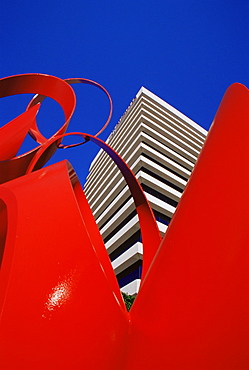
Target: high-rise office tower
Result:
[[161, 146]]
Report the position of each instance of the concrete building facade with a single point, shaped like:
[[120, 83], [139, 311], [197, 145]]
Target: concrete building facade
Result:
[[161, 146]]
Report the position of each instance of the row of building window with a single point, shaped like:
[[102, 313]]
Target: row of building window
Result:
[[119, 227], [176, 150], [167, 156], [136, 237], [116, 210], [132, 273], [165, 167], [159, 195], [160, 217], [162, 179]]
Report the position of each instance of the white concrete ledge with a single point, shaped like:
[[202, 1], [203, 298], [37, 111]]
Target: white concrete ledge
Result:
[[131, 288]]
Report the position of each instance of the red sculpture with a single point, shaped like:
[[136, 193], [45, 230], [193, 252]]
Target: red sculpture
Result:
[[60, 304]]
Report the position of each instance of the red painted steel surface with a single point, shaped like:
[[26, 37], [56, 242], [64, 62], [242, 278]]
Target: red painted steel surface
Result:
[[60, 305], [58, 308], [192, 311]]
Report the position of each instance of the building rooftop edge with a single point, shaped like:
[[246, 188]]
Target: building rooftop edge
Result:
[[144, 91]]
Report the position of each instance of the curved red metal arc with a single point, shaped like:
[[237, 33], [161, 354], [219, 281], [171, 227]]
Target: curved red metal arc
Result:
[[93, 83], [151, 237], [35, 132], [50, 86]]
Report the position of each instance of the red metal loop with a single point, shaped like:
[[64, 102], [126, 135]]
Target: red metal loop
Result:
[[93, 83], [35, 132], [45, 85]]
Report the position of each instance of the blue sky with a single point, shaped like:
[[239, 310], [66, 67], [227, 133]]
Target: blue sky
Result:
[[186, 52]]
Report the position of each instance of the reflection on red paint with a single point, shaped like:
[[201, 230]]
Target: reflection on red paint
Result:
[[61, 293]]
